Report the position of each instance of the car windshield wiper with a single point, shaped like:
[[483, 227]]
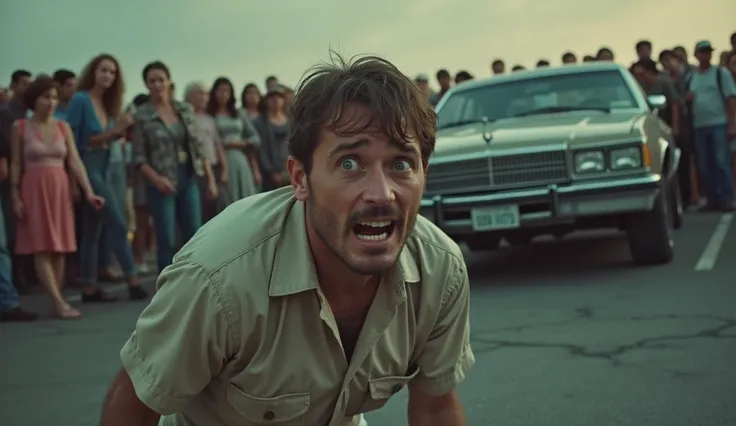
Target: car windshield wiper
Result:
[[464, 123], [553, 109]]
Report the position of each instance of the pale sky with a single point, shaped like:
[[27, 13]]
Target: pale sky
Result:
[[246, 40]]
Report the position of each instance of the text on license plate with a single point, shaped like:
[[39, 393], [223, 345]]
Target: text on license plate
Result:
[[492, 218]]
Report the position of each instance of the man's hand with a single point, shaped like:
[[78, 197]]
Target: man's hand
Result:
[[429, 410]]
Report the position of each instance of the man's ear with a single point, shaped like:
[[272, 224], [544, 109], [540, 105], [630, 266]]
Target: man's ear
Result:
[[298, 178]]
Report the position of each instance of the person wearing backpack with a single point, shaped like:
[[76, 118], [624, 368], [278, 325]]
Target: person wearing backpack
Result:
[[711, 94]]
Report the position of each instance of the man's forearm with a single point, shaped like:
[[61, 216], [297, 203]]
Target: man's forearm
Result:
[[447, 417], [428, 410], [123, 408]]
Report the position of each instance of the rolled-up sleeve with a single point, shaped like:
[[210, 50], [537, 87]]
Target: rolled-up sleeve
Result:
[[138, 143], [446, 357], [181, 340]]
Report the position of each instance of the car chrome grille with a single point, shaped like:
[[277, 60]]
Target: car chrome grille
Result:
[[497, 172]]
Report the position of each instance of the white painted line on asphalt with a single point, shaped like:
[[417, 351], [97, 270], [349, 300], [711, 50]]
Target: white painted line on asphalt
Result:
[[710, 255]]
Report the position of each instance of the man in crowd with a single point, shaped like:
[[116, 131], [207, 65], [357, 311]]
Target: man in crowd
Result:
[[444, 81], [569, 58], [672, 66], [605, 54], [654, 83], [644, 49], [272, 83], [463, 76], [712, 96], [15, 109], [10, 309], [349, 295], [67, 82], [422, 82], [498, 67]]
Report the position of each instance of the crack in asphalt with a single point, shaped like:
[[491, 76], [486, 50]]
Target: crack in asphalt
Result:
[[587, 314], [611, 355]]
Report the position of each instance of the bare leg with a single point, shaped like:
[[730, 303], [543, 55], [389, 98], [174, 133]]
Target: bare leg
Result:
[[47, 276], [58, 263]]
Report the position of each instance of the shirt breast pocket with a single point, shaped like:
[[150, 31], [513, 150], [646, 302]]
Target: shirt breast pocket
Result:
[[282, 410], [382, 388]]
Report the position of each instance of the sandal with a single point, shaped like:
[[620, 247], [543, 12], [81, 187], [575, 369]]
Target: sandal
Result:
[[67, 312], [98, 296]]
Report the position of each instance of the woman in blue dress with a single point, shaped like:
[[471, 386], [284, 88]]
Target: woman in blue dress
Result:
[[94, 115]]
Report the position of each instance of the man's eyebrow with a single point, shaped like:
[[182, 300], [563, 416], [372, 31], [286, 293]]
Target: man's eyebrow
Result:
[[348, 146], [404, 146]]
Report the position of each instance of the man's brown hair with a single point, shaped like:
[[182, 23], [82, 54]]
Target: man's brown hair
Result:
[[36, 89], [401, 109], [112, 99]]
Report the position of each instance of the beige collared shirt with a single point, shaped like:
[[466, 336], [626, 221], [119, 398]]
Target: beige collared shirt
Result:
[[239, 332]]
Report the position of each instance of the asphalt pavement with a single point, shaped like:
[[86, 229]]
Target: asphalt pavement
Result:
[[565, 332]]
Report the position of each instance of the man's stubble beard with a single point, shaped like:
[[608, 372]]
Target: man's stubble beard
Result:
[[323, 222]]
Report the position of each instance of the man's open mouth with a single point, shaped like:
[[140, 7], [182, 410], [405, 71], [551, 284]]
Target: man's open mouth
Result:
[[374, 231]]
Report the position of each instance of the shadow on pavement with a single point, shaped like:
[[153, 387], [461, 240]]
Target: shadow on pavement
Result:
[[572, 255]]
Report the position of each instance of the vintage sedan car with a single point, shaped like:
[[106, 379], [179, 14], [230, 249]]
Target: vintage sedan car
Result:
[[550, 151]]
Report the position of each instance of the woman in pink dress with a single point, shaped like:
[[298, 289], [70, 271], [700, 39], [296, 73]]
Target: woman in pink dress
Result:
[[41, 149]]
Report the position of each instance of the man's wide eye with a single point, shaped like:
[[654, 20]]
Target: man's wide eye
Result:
[[349, 164], [402, 165]]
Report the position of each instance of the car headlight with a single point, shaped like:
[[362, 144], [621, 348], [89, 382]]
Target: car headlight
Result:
[[626, 158], [590, 162]]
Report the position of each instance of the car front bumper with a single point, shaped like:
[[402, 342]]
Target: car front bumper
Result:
[[552, 205]]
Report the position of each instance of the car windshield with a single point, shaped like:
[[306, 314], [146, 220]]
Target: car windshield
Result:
[[595, 91]]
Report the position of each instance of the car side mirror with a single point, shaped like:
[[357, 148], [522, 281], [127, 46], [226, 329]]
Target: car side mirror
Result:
[[657, 102]]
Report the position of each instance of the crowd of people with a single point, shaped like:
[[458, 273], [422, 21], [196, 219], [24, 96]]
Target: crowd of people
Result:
[[701, 111], [90, 187]]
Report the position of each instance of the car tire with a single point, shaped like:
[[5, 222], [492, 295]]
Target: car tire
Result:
[[677, 211], [650, 233], [483, 242]]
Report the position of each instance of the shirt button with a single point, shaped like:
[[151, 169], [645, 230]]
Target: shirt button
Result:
[[269, 415]]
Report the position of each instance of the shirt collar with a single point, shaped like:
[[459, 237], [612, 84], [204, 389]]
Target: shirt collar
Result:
[[293, 268]]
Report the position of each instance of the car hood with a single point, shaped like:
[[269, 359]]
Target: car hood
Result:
[[538, 131]]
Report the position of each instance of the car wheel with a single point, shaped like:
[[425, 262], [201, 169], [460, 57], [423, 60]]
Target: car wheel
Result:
[[676, 208], [520, 239], [483, 242], [650, 233]]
